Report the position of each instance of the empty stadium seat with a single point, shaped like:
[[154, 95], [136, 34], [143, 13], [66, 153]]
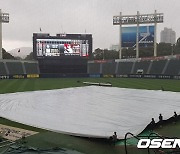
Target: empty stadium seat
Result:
[[2, 69], [157, 67], [94, 68], [124, 68], [15, 68], [173, 68], [143, 65], [31, 68], [108, 68]]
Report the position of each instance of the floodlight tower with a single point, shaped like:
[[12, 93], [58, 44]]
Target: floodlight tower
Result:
[[138, 19], [4, 18]]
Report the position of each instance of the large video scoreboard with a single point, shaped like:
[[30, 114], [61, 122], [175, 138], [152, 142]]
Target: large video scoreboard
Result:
[[61, 45]]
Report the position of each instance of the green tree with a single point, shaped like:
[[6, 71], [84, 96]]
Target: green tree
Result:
[[98, 54], [128, 53], [106, 54], [164, 49], [110, 54], [146, 52], [6, 55], [176, 47], [29, 57]]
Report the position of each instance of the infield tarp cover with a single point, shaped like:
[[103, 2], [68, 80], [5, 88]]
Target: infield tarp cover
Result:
[[90, 111]]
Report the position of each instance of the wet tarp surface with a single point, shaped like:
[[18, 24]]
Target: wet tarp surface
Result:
[[90, 111]]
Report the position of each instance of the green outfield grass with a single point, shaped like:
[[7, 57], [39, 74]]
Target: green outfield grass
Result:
[[46, 139], [19, 85]]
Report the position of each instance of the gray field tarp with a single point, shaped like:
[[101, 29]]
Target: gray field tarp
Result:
[[90, 111]]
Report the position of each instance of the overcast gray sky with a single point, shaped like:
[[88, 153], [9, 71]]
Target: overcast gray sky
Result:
[[78, 16]]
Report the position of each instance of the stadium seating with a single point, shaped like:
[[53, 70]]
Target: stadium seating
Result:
[[31, 68], [108, 68], [94, 68], [124, 68], [2, 69], [15, 68], [157, 67], [144, 65], [173, 68]]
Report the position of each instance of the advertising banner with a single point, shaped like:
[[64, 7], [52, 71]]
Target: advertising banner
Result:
[[146, 36]]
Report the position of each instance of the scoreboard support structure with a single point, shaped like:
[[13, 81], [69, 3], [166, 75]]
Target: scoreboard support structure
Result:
[[63, 53], [137, 20]]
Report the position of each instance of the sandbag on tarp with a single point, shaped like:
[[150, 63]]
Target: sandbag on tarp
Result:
[[90, 111]]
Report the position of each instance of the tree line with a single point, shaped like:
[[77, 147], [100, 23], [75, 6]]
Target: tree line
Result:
[[7, 55], [163, 49]]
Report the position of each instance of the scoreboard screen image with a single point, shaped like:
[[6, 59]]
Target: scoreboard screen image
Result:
[[62, 45]]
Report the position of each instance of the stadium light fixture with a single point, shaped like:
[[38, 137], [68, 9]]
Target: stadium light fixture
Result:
[[4, 18], [138, 19]]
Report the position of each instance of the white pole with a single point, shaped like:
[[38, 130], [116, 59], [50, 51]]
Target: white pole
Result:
[[155, 36], [0, 34], [103, 54], [120, 36], [137, 36]]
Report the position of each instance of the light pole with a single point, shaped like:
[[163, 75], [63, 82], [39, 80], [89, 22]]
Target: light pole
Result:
[[120, 36], [155, 34], [4, 18], [137, 36], [172, 49], [103, 54], [0, 34]]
